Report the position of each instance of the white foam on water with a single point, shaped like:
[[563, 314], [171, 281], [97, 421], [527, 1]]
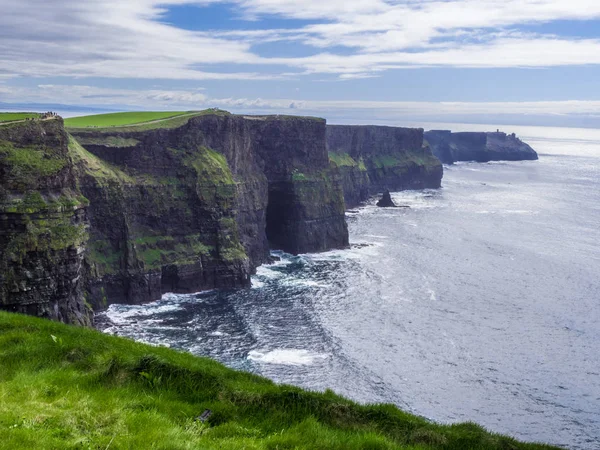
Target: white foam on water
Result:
[[518, 211], [218, 333], [432, 295], [122, 314], [268, 273], [289, 357], [359, 250], [304, 282]]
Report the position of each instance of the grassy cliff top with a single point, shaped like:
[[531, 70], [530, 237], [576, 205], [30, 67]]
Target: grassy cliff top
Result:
[[67, 387], [134, 121], [122, 118], [17, 116]]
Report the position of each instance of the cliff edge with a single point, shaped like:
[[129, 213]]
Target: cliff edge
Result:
[[124, 214], [481, 147], [372, 159]]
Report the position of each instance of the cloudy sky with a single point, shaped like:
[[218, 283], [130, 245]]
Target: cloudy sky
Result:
[[371, 61]]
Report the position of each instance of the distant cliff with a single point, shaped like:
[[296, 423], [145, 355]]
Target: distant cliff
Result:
[[125, 214], [373, 159], [481, 147]]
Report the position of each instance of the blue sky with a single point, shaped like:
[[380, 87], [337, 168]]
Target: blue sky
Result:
[[367, 61]]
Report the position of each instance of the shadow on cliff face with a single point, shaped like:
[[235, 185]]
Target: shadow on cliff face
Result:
[[306, 216]]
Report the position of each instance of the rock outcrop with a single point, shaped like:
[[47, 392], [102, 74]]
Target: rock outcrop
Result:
[[386, 201], [481, 147], [123, 215], [373, 159]]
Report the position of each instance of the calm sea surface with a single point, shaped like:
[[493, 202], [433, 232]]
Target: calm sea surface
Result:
[[479, 302]]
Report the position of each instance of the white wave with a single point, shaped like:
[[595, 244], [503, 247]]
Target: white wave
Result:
[[432, 295], [518, 211], [218, 333], [290, 357], [304, 282], [257, 284], [121, 314], [268, 273]]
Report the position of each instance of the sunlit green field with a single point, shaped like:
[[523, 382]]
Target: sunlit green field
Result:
[[64, 387], [13, 117], [120, 119]]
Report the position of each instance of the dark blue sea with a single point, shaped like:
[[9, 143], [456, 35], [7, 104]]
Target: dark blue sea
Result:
[[480, 302]]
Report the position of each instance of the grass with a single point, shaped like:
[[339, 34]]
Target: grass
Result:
[[102, 171], [108, 141], [64, 387], [120, 119], [14, 117], [134, 121], [30, 162]]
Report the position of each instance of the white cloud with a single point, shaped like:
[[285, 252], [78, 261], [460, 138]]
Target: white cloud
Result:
[[117, 39]]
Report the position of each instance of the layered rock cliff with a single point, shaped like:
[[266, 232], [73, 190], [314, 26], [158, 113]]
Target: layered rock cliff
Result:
[[481, 147], [125, 214], [198, 206], [373, 159], [43, 224]]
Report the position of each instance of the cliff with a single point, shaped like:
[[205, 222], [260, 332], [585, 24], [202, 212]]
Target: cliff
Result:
[[180, 205], [43, 224], [373, 159], [481, 147]]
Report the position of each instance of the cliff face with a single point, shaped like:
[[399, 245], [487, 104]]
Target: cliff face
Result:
[[373, 159], [125, 214], [481, 147], [198, 206], [43, 224]]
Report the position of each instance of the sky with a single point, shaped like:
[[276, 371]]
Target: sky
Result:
[[351, 61]]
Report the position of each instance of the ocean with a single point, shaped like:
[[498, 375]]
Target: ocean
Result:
[[480, 302]]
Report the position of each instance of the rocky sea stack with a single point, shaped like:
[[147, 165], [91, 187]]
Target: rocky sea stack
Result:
[[386, 201]]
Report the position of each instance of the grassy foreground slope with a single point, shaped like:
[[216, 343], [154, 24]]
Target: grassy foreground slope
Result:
[[64, 387]]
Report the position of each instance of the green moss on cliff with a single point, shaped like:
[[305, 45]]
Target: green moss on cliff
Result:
[[345, 160], [108, 141], [66, 388], [230, 248], [104, 257], [51, 232], [30, 163], [211, 166], [99, 169], [157, 251]]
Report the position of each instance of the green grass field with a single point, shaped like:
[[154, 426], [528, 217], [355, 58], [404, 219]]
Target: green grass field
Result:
[[13, 117], [64, 387], [120, 119]]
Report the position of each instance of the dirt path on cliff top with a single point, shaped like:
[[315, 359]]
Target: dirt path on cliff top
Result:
[[21, 121]]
